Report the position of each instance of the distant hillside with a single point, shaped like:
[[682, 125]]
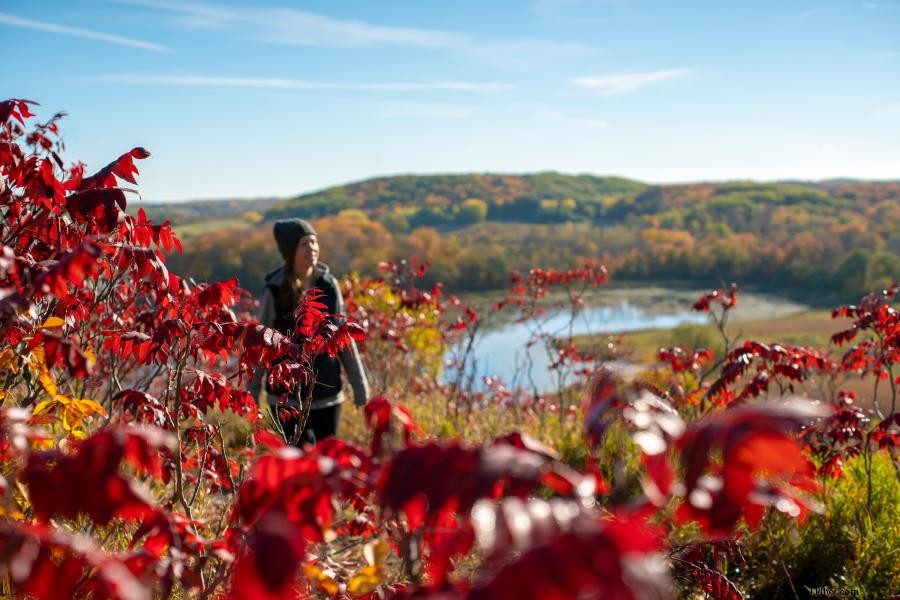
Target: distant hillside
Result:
[[824, 241], [180, 213], [405, 202], [450, 202]]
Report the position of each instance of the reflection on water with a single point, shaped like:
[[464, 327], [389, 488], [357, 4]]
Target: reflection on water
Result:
[[504, 352]]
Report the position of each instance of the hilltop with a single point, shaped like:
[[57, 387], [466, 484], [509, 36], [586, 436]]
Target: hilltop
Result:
[[827, 240]]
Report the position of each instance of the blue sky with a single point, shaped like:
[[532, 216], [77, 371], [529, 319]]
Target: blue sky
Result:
[[273, 98]]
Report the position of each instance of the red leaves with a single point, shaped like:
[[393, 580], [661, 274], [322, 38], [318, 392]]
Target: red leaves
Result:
[[526, 291], [74, 254], [62, 352], [449, 478], [266, 568], [129, 344], [680, 360], [887, 433], [380, 417], [877, 322], [727, 299], [793, 363], [173, 533], [100, 210], [52, 565], [318, 332], [123, 167], [297, 485], [839, 436], [762, 465], [15, 108], [146, 233], [657, 423], [618, 560], [213, 390], [72, 269], [219, 294], [311, 313], [258, 345], [141, 407], [517, 525], [94, 470]]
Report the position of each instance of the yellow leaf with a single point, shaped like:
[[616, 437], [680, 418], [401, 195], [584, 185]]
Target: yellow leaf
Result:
[[36, 359], [3, 395], [15, 513], [52, 322], [8, 361], [43, 407], [91, 356], [43, 443], [323, 578], [376, 552], [23, 500], [47, 381], [89, 407], [365, 581], [71, 419]]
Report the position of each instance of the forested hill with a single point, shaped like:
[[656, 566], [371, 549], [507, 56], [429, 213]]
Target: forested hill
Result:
[[404, 203], [409, 201], [832, 240]]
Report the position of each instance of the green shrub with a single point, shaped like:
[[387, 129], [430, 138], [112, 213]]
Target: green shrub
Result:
[[854, 544]]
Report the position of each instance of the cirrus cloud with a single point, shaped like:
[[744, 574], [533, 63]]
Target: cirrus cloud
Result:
[[628, 81]]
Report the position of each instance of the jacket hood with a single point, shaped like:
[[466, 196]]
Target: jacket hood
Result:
[[276, 276]]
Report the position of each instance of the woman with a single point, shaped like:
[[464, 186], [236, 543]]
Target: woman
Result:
[[299, 246]]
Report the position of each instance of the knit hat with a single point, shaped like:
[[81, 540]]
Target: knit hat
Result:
[[288, 233]]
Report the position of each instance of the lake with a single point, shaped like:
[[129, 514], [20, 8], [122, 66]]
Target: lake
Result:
[[503, 350]]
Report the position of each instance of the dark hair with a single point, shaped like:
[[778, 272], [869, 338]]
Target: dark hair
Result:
[[290, 291]]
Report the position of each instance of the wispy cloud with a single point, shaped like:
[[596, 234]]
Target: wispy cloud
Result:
[[819, 11], [15, 21], [301, 84], [545, 7], [626, 82], [405, 110], [561, 116], [291, 26], [524, 53]]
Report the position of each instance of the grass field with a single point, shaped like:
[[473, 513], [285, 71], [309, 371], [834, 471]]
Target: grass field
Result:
[[808, 328], [189, 230]]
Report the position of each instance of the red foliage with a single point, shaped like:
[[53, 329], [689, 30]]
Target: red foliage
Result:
[[104, 492], [680, 360], [762, 465], [617, 560], [52, 565], [88, 307], [726, 298], [774, 362], [123, 168]]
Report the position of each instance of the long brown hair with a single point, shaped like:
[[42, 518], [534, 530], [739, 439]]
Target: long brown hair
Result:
[[290, 291]]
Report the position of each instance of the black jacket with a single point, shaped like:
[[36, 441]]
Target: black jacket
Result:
[[327, 370]]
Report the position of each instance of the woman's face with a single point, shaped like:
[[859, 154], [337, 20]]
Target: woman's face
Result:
[[307, 253]]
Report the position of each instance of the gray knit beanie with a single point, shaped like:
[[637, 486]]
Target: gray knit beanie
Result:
[[288, 233]]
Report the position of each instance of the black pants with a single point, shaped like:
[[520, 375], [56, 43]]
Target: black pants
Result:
[[321, 423]]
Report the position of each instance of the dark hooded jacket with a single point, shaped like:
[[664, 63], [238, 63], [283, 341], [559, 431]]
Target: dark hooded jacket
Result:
[[327, 370]]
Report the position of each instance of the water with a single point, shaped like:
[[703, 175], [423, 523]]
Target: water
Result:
[[503, 351]]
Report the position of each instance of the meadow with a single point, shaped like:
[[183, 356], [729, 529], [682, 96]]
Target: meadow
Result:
[[742, 459]]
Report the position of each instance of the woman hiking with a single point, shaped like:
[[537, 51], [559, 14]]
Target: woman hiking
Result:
[[299, 246]]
